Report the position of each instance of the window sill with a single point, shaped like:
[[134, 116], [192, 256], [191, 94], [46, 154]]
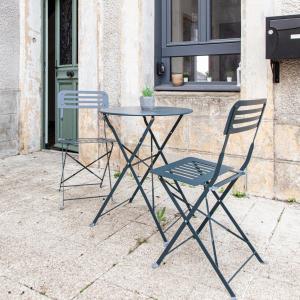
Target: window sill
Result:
[[196, 87]]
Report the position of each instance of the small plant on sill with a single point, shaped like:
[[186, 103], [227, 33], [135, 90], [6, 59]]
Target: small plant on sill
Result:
[[148, 92], [186, 77], [208, 76], [147, 100], [229, 76]]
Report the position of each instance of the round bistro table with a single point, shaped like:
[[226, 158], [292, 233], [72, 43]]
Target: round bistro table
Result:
[[149, 117]]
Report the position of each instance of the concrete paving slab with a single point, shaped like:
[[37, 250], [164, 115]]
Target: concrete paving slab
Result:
[[49, 253], [102, 290], [12, 290]]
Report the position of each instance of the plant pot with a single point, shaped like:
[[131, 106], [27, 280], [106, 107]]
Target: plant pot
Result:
[[177, 79], [229, 79], [209, 79], [185, 79], [147, 103]]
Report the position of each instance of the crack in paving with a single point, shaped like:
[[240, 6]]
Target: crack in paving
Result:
[[92, 282], [28, 287], [275, 228]]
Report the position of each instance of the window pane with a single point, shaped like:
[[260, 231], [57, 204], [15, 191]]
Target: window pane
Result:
[[66, 32], [202, 68], [225, 19], [184, 20]]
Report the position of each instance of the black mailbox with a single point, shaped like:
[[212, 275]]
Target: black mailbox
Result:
[[282, 41], [283, 37]]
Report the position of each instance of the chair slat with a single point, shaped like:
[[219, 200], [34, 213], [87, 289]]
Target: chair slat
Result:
[[249, 111], [246, 120], [244, 128]]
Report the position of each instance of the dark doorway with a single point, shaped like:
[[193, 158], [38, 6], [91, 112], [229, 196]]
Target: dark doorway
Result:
[[61, 59], [51, 74]]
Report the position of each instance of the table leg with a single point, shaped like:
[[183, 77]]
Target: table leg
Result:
[[152, 177], [129, 166], [159, 153]]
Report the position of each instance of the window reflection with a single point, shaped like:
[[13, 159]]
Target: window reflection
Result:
[[225, 19], [207, 68], [184, 20]]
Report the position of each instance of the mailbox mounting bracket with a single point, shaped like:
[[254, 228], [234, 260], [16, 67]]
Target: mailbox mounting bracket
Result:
[[275, 65]]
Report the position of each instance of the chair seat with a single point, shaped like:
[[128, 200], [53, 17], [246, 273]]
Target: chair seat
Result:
[[85, 141], [191, 170]]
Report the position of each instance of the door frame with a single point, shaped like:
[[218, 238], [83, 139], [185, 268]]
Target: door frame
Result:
[[45, 66], [45, 69]]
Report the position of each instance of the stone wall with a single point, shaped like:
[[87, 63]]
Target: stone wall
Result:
[[9, 76], [125, 63], [287, 119]]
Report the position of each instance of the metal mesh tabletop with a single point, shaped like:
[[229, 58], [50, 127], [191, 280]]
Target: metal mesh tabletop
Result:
[[137, 111]]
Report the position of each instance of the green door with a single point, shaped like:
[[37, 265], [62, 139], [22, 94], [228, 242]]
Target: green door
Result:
[[66, 63]]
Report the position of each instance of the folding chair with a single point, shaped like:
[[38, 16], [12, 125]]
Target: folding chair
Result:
[[77, 100], [244, 116]]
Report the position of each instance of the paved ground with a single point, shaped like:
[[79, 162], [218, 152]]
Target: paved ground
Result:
[[49, 253]]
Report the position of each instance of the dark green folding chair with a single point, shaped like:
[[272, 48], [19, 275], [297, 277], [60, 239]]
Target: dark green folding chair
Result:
[[244, 116]]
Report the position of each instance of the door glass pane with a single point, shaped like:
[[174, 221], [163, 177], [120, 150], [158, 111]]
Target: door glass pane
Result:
[[184, 20], [65, 32], [207, 68], [225, 19]]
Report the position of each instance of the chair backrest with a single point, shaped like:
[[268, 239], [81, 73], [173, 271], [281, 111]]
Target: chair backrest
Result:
[[245, 115], [81, 99]]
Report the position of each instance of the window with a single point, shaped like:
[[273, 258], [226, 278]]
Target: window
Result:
[[199, 39]]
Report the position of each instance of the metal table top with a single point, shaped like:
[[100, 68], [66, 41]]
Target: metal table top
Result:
[[137, 111]]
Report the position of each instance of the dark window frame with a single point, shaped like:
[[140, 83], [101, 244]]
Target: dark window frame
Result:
[[165, 49]]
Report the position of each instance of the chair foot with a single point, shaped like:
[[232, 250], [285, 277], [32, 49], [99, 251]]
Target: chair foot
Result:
[[259, 258], [166, 244], [155, 265], [92, 225], [263, 262], [61, 208], [233, 298]]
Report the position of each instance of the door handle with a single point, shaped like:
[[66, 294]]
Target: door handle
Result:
[[70, 74]]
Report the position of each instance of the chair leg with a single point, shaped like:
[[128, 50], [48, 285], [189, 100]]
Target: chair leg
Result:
[[240, 230], [182, 226], [107, 166], [109, 170], [211, 233], [63, 162], [62, 185], [186, 222]]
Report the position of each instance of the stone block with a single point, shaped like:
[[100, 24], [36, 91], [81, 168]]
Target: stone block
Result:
[[8, 148], [260, 178], [8, 127], [287, 180], [206, 134], [8, 101], [287, 139]]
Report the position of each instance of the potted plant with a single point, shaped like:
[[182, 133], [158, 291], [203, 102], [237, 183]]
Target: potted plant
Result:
[[186, 77], [177, 79], [229, 76], [208, 77], [147, 101]]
